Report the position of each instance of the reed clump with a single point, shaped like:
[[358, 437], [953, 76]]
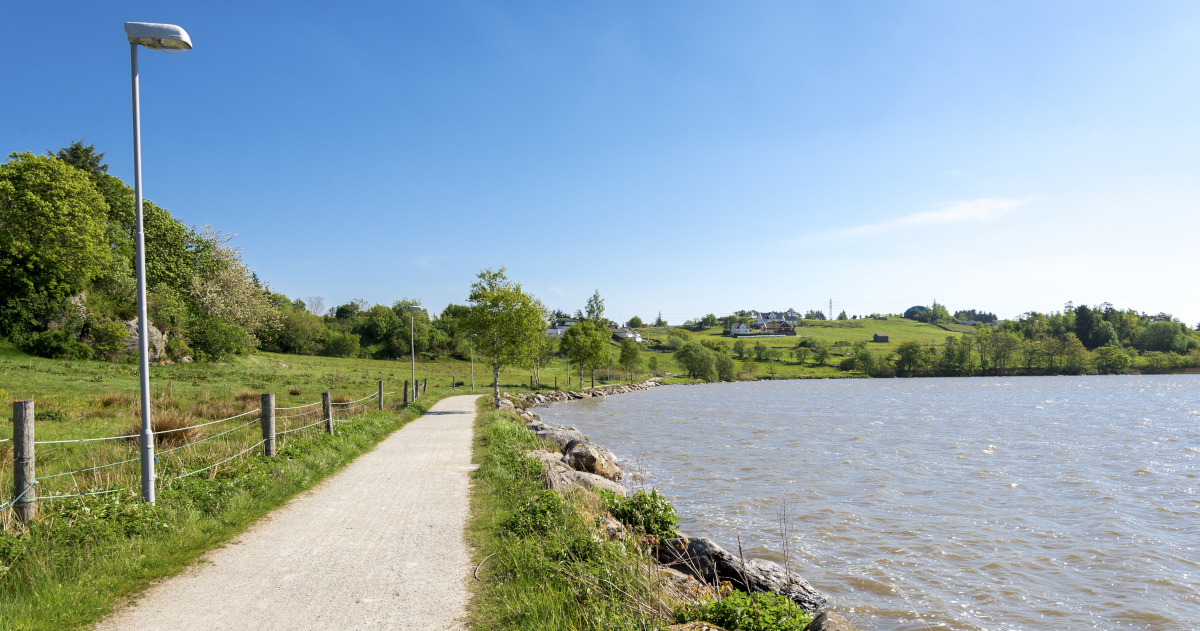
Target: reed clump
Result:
[[176, 425]]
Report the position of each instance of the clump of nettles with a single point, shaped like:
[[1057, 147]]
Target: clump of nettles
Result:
[[762, 611], [650, 512]]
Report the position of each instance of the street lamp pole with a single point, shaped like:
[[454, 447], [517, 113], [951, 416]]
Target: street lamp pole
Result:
[[412, 345], [169, 38], [472, 362]]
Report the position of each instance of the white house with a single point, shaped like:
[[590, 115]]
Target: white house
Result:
[[625, 333], [739, 328]]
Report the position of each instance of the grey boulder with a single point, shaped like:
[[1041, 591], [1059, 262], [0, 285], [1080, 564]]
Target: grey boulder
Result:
[[829, 621], [708, 562]]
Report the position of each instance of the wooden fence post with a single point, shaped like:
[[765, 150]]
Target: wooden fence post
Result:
[[328, 409], [405, 392], [380, 397], [425, 387], [24, 479], [268, 425]]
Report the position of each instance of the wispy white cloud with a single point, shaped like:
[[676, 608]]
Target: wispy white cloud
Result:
[[974, 211]]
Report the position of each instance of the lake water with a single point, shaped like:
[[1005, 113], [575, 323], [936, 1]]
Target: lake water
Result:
[[981, 503]]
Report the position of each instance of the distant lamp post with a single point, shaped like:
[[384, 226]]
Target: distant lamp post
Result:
[[412, 345], [171, 39], [473, 362]]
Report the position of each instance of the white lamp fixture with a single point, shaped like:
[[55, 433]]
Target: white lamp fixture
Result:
[[172, 39], [165, 37]]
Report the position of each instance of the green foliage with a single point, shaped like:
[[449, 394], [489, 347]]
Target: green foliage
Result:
[[698, 361], [341, 344], [1162, 337], [649, 513], [52, 240], [56, 344], [739, 348], [108, 339], [507, 321], [636, 323], [708, 321], [630, 356], [749, 365], [911, 356], [1111, 358], [739, 611], [214, 338], [726, 371], [652, 364], [538, 514]]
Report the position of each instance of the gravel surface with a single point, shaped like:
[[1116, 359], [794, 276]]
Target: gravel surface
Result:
[[377, 546]]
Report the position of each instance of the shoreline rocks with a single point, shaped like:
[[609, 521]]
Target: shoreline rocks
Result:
[[580, 463]]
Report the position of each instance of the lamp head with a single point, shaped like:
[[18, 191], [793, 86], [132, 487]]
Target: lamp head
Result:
[[165, 37], [416, 308]]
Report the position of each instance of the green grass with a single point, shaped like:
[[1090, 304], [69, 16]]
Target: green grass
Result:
[[545, 563], [83, 555]]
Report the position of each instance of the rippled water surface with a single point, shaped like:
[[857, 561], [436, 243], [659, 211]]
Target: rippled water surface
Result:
[[1026, 503]]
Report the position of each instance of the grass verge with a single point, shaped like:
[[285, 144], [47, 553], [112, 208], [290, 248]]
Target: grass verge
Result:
[[83, 555], [546, 563]]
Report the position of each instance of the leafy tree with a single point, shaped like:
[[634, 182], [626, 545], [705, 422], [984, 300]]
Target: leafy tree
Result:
[[1162, 337], [749, 366], [865, 361], [52, 237], [739, 348], [698, 361], [910, 357], [586, 345], [630, 357], [726, 371], [109, 339], [652, 364], [842, 315], [594, 310], [760, 351], [1104, 334], [823, 353], [709, 320], [801, 354], [413, 332], [814, 315], [1111, 358], [636, 323], [342, 344], [1075, 355], [507, 321]]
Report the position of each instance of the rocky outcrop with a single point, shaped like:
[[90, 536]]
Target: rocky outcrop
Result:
[[557, 476], [829, 621], [587, 458], [710, 563], [156, 341]]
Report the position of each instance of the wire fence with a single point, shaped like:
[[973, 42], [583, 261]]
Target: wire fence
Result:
[[109, 463]]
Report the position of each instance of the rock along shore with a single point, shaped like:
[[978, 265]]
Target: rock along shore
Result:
[[694, 565]]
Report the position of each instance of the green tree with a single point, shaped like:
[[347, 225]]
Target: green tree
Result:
[[341, 344], [1111, 358], [726, 371], [801, 354], [52, 237], [652, 364], [594, 310], [507, 321], [911, 357], [1074, 354], [1161, 337], [709, 320], [823, 353], [739, 348], [760, 351], [698, 361], [586, 345], [109, 339], [630, 357], [749, 366], [842, 316], [636, 323]]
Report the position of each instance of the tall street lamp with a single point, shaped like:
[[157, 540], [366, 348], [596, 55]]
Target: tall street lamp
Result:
[[473, 362], [172, 39], [412, 345]]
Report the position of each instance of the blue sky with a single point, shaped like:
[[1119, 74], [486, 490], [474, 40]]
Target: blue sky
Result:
[[682, 157]]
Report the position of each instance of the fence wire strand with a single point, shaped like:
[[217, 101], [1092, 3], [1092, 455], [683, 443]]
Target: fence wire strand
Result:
[[111, 464], [197, 442], [180, 429], [297, 407], [219, 463], [18, 498]]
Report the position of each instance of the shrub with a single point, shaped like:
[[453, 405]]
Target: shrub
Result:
[[56, 344], [214, 338], [739, 611], [540, 513], [294, 391], [650, 512], [341, 344], [109, 339], [178, 424]]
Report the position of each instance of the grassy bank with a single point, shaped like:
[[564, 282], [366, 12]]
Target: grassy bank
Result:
[[546, 562], [85, 554]]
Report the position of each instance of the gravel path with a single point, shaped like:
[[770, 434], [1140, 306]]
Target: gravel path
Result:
[[377, 546]]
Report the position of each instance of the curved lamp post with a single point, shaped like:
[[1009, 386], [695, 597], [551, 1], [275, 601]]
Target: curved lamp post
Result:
[[172, 39], [412, 344]]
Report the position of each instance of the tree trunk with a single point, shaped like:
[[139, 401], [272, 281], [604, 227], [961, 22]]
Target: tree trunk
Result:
[[496, 383]]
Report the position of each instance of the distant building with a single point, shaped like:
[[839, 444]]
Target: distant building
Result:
[[786, 328], [739, 328], [881, 337], [628, 334]]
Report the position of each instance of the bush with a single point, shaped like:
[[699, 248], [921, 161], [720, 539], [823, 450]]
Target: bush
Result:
[[109, 339], [650, 512], [214, 338], [341, 344], [726, 371], [539, 514], [56, 344], [740, 611]]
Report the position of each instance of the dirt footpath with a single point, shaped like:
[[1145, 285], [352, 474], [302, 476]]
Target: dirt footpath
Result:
[[377, 546]]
